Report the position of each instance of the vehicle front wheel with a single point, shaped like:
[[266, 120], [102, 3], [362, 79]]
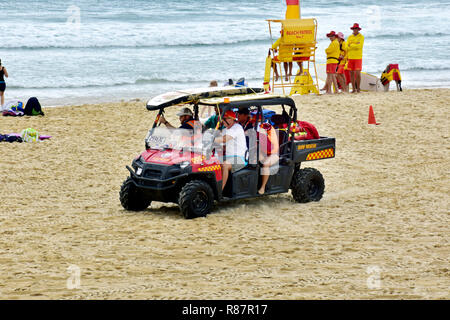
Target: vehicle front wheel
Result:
[[196, 199], [132, 198], [307, 185]]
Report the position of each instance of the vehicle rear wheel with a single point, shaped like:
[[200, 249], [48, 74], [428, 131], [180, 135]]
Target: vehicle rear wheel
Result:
[[132, 198], [196, 199], [308, 185]]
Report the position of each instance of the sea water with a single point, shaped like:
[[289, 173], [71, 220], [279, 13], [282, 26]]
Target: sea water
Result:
[[80, 51]]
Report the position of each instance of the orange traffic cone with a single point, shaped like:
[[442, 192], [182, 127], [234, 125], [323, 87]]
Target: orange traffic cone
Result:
[[372, 117]]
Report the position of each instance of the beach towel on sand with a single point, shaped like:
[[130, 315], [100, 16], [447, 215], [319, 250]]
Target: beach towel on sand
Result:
[[13, 137], [10, 138], [13, 108], [29, 135]]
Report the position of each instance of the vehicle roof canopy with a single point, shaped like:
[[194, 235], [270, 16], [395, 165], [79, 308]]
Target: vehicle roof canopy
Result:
[[225, 98], [248, 100], [178, 97]]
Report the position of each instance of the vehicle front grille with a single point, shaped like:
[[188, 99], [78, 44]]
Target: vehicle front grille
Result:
[[153, 173]]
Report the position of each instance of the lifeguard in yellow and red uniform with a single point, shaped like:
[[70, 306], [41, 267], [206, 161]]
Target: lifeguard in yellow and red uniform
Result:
[[355, 44], [391, 73]]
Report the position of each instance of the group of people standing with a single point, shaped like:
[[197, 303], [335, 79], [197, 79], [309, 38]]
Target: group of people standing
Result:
[[344, 61]]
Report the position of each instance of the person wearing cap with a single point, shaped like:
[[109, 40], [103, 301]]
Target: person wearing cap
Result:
[[233, 137], [333, 51], [355, 44], [343, 57], [243, 116], [186, 119]]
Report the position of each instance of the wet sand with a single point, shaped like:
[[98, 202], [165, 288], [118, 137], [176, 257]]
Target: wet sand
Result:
[[381, 230]]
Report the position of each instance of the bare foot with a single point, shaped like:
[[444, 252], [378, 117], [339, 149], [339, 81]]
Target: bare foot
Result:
[[277, 77], [261, 191]]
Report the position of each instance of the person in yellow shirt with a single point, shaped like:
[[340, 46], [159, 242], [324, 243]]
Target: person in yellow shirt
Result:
[[355, 43], [287, 65], [333, 51], [343, 57]]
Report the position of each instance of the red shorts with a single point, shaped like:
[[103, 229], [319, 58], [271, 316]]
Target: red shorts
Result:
[[341, 69], [355, 64], [331, 67]]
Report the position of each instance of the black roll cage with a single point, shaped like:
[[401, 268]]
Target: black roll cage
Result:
[[258, 103]]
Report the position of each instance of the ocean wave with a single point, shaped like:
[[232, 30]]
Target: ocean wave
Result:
[[137, 82], [425, 69], [141, 46], [67, 44], [405, 35]]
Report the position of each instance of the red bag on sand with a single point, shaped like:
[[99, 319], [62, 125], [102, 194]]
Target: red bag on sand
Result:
[[309, 129]]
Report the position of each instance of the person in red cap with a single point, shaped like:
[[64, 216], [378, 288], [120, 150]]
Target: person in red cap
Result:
[[333, 51], [233, 137], [355, 43]]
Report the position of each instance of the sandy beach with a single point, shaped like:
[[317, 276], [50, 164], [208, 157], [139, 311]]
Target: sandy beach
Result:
[[381, 230]]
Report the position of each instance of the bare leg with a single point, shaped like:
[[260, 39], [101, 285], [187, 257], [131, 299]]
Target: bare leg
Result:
[[275, 70], [353, 80], [290, 69], [265, 171], [226, 168], [328, 83], [286, 71], [358, 81], [341, 79], [300, 66], [333, 79], [2, 93], [264, 179]]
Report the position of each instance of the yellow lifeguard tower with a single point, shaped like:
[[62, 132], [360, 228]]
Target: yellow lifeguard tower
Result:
[[298, 43]]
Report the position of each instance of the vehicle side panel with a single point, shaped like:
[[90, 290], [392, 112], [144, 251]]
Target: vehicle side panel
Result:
[[316, 149]]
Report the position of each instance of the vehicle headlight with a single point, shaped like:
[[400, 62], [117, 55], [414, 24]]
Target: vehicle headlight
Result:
[[184, 164]]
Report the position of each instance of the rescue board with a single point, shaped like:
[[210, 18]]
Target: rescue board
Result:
[[368, 82], [192, 95]]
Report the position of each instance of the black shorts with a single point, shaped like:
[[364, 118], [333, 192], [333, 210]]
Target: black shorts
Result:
[[2, 87]]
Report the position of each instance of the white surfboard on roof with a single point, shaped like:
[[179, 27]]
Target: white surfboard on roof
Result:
[[190, 95]]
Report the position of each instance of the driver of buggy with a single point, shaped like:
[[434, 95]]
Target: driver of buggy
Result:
[[186, 119]]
